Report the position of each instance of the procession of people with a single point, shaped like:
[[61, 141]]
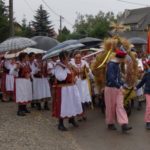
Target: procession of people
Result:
[[114, 78]]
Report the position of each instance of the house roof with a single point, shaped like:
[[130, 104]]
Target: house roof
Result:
[[131, 34], [140, 16]]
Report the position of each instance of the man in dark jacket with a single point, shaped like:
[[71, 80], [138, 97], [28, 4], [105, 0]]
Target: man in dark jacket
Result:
[[114, 93]]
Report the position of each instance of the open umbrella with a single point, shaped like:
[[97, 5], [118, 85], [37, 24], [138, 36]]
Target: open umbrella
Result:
[[65, 44], [90, 41], [137, 40], [55, 52], [27, 50], [44, 42], [16, 44], [33, 50]]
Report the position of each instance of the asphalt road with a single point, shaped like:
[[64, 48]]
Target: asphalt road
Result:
[[93, 135], [38, 131]]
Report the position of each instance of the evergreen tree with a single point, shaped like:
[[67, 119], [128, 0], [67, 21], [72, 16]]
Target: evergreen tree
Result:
[[41, 23], [63, 35], [4, 23], [24, 23], [24, 29], [29, 31]]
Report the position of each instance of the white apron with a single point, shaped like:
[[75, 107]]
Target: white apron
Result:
[[41, 88], [9, 83], [23, 90]]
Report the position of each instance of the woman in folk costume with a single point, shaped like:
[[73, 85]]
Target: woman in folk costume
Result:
[[34, 69], [23, 85], [114, 99], [66, 101], [51, 65], [10, 78], [50, 68], [41, 87], [6, 65], [140, 92], [82, 81]]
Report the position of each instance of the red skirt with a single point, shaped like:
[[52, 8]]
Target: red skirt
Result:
[[3, 83], [56, 109]]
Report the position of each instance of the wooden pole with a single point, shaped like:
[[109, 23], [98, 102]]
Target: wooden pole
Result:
[[11, 23], [60, 29]]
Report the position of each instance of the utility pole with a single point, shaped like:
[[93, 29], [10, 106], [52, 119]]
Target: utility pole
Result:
[[11, 24], [60, 28]]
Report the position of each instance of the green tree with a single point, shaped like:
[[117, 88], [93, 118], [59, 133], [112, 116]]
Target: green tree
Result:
[[26, 29], [41, 24], [4, 23], [94, 26], [29, 31], [64, 34]]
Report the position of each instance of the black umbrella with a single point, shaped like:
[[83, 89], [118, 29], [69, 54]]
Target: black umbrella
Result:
[[64, 44], [137, 40], [90, 41], [68, 45], [44, 42]]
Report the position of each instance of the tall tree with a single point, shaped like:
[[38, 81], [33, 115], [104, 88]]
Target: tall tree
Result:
[[95, 26], [41, 24], [4, 24], [25, 29], [29, 31], [65, 33]]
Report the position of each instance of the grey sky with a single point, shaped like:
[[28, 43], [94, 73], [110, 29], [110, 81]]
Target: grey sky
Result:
[[69, 8]]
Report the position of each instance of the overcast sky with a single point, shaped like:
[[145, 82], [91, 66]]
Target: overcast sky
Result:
[[69, 8]]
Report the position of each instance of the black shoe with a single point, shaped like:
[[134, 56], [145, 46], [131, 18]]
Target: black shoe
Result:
[[39, 106], [32, 105], [21, 113], [125, 127], [72, 121], [10, 99], [46, 106], [84, 118], [62, 128], [139, 106], [112, 127], [148, 125], [27, 111]]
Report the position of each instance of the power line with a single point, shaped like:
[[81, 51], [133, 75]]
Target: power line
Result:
[[29, 5], [56, 13], [50, 8], [68, 22], [139, 4]]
